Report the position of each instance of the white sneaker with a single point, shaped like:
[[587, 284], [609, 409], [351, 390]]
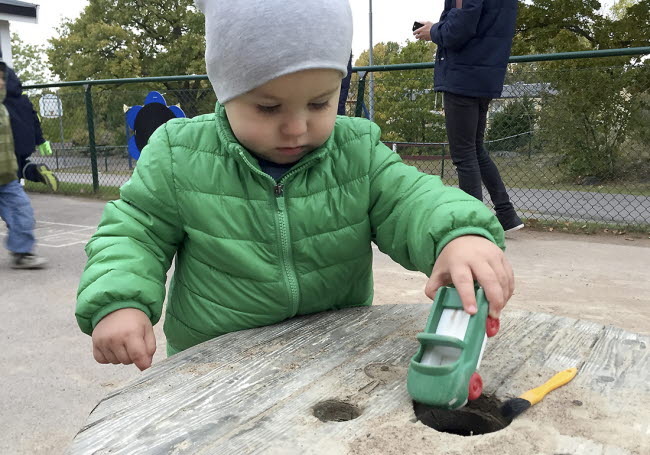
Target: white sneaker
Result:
[[516, 228], [27, 261]]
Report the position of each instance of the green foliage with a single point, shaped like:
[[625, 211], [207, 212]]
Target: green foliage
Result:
[[405, 104], [510, 124], [589, 119], [545, 26], [29, 61], [130, 38], [114, 39], [620, 8], [592, 113]]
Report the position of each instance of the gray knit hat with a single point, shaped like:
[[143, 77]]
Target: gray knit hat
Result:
[[250, 42]]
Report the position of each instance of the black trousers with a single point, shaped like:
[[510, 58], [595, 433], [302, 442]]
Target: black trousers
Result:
[[345, 88], [465, 119], [27, 170]]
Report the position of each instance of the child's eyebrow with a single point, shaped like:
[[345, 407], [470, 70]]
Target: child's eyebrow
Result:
[[330, 92], [272, 98]]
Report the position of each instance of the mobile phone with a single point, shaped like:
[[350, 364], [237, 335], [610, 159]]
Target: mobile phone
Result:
[[417, 25]]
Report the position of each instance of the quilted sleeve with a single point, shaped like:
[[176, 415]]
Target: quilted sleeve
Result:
[[132, 250], [458, 26], [413, 215]]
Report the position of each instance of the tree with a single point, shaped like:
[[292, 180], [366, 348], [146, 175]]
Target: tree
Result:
[[114, 39], [587, 115], [589, 119], [29, 61], [545, 26], [130, 38], [512, 126], [405, 104], [619, 9]]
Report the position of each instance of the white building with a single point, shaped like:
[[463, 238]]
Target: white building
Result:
[[13, 10]]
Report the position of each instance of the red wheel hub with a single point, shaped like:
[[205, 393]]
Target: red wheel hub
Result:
[[492, 326], [475, 387]]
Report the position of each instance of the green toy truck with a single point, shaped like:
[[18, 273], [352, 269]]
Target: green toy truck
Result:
[[443, 371]]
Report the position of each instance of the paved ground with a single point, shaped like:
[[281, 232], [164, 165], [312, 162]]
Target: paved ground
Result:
[[50, 381]]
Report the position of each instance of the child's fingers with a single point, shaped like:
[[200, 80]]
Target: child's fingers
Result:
[[433, 284], [137, 352], [504, 281], [150, 340], [489, 281], [109, 355], [120, 352], [464, 283], [99, 355], [511, 276]]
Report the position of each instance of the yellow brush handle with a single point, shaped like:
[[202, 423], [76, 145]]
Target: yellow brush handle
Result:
[[535, 395]]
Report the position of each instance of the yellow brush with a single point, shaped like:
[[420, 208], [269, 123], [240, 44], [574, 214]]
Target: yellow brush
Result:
[[515, 406]]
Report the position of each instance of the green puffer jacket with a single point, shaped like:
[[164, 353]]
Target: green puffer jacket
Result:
[[8, 165], [250, 252]]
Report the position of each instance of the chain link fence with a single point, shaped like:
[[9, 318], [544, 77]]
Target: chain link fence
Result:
[[570, 137]]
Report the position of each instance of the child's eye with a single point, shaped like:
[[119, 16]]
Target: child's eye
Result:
[[268, 109], [319, 106]]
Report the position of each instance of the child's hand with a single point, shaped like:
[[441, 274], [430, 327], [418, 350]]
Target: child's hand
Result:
[[45, 148], [124, 336], [470, 258]]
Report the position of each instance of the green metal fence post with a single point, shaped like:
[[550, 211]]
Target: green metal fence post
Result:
[[91, 137], [358, 110]]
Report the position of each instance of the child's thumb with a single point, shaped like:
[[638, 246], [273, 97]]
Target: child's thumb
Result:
[[150, 340], [434, 283]]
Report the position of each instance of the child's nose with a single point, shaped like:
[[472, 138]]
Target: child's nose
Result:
[[295, 125]]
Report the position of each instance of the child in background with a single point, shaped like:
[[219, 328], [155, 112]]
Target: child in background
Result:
[[15, 208], [26, 128], [270, 204]]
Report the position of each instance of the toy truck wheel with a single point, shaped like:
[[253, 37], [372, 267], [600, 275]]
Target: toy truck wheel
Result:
[[492, 326], [475, 387]]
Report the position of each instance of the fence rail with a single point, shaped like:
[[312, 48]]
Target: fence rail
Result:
[[569, 134]]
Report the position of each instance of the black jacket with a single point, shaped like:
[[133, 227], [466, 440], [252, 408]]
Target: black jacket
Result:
[[474, 45], [25, 125]]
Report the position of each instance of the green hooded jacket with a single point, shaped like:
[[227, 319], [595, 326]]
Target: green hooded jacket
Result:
[[252, 252], [8, 165]]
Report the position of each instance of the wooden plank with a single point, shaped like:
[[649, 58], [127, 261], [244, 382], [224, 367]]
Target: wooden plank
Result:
[[237, 381], [618, 362], [545, 347], [255, 391]]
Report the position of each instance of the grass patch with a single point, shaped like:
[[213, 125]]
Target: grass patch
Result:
[[76, 189], [537, 172], [588, 228]]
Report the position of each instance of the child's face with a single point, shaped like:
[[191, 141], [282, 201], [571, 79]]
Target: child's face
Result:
[[288, 117]]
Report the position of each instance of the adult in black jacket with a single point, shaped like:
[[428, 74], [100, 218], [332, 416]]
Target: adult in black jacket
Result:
[[345, 88], [26, 129], [474, 39]]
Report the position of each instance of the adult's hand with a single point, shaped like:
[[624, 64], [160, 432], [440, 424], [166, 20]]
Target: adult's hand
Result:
[[423, 33]]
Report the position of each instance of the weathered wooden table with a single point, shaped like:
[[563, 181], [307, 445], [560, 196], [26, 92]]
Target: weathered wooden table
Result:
[[336, 383]]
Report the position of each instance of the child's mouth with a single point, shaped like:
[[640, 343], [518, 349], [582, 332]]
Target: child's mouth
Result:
[[291, 151]]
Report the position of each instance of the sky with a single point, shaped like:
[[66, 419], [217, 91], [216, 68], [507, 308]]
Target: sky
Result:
[[392, 21]]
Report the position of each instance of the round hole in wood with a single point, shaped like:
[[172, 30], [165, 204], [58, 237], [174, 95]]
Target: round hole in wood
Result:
[[479, 416], [335, 411]]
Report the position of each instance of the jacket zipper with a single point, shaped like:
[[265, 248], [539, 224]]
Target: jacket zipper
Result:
[[290, 275], [282, 219]]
